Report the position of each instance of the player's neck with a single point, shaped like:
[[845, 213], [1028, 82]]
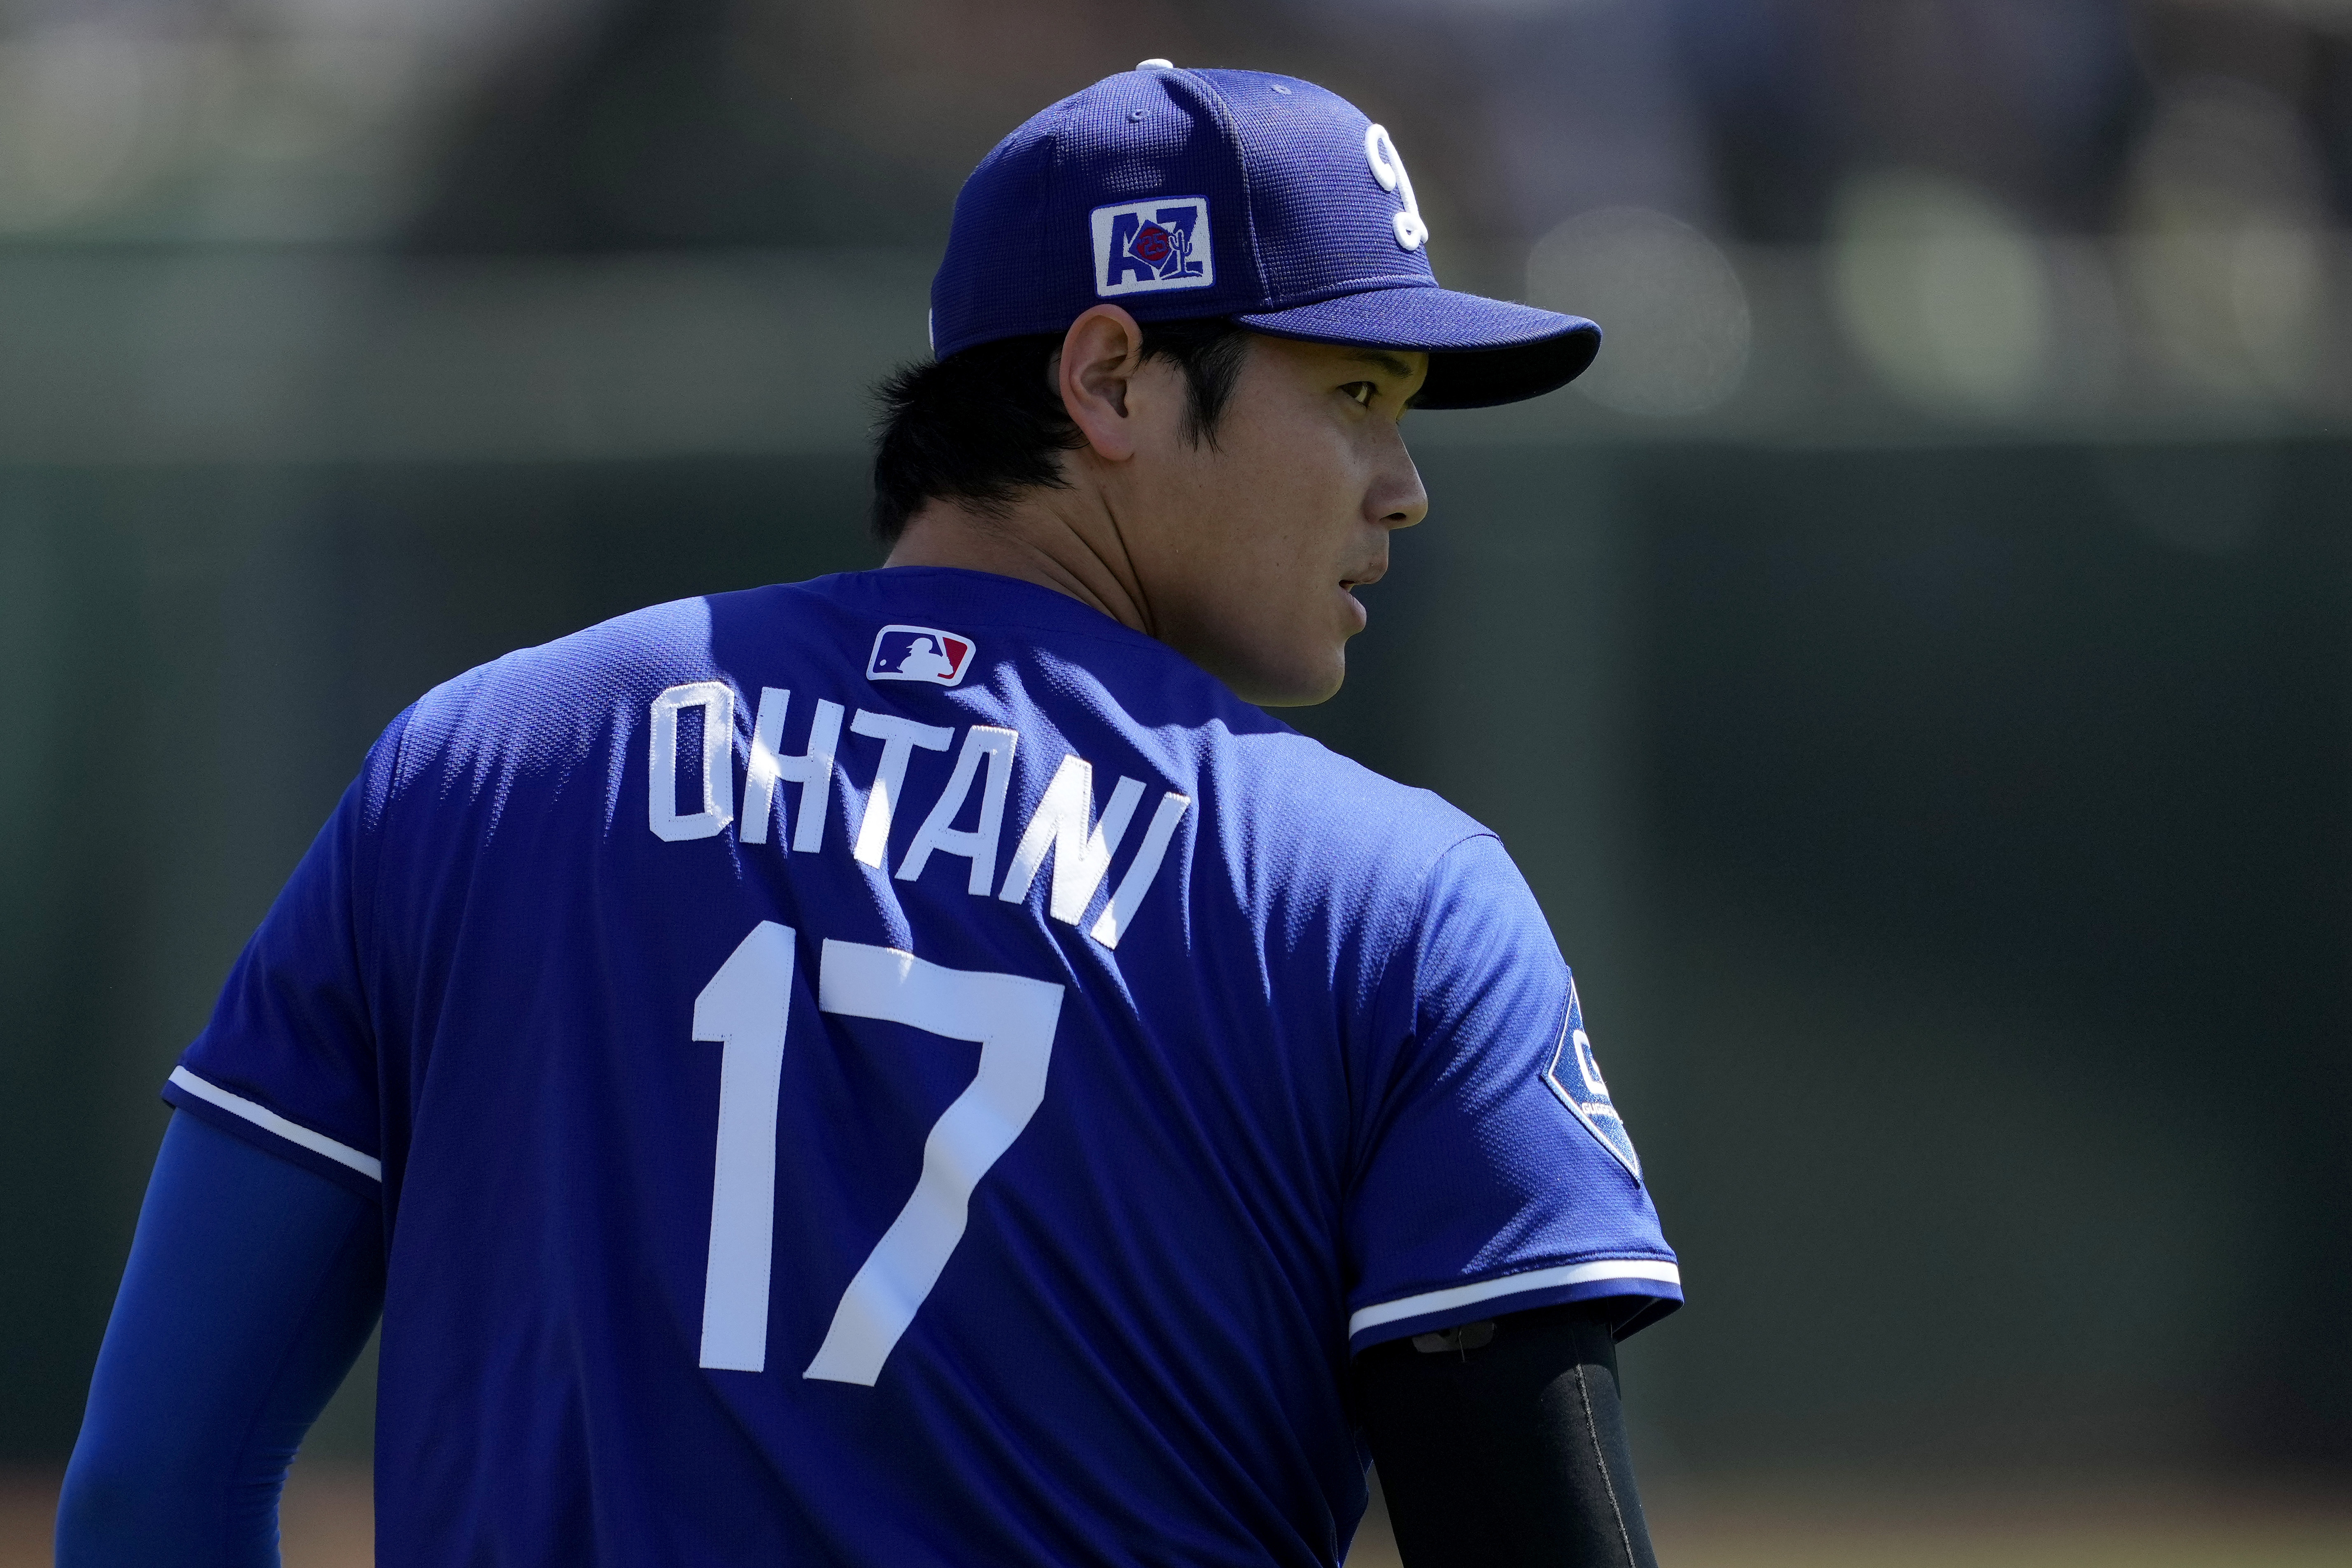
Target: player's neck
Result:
[[1037, 541]]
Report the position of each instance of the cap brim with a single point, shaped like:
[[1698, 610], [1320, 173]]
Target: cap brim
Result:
[[1481, 351]]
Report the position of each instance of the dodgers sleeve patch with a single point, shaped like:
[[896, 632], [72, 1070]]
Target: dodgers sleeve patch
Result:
[[1475, 1197], [1574, 1075]]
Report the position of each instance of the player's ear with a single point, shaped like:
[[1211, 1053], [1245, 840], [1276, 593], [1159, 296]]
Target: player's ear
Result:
[[1101, 353]]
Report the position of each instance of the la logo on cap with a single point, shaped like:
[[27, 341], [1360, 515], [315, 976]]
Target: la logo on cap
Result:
[[1145, 246], [919, 653]]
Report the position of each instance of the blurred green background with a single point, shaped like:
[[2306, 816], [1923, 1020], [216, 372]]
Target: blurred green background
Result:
[[1912, 669]]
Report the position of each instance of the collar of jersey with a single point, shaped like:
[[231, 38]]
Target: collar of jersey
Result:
[[984, 598]]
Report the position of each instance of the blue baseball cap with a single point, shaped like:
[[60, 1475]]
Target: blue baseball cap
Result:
[[1180, 194]]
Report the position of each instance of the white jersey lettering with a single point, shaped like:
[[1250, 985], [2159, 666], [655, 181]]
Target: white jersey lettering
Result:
[[1064, 826], [717, 704], [939, 832], [812, 770], [899, 737]]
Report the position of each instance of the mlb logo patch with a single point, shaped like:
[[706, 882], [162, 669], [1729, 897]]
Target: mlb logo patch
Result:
[[919, 653], [1145, 246]]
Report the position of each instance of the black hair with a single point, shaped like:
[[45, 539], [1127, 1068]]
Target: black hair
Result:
[[983, 424]]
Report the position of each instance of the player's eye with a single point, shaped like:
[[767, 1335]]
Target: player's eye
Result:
[[1362, 392]]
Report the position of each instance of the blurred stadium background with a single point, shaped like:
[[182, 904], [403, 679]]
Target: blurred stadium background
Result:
[[1913, 668]]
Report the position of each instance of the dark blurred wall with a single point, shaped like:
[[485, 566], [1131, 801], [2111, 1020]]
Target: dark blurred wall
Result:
[[1953, 861], [696, 122], [2001, 889], [699, 122]]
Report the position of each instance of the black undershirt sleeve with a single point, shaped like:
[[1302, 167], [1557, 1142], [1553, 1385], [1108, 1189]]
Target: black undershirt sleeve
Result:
[[1502, 1445]]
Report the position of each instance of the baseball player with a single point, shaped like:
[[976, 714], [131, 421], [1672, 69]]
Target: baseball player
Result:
[[919, 1068]]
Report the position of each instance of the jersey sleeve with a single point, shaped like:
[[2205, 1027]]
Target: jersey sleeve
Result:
[[1493, 1174], [289, 1060]]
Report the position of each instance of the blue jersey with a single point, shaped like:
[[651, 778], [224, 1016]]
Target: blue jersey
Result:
[[901, 1069]]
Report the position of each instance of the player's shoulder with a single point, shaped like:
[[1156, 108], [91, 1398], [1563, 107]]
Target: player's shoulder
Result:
[[555, 704], [1299, 791], [587, 669]]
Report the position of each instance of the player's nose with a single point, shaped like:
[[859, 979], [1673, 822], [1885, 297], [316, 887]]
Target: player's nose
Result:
[[1397, 498]]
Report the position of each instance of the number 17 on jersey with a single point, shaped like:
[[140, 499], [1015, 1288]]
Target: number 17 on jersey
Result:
[[745, 1010]]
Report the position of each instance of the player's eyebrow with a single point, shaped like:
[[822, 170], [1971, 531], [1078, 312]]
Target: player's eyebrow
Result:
[[1389, 362], [1394, 366]]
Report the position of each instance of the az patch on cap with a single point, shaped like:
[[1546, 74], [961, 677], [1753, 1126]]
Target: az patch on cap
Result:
[[919, 653], [1575, 1077], [1145, 246]]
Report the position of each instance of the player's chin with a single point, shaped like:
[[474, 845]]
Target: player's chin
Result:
[[1308, 676]]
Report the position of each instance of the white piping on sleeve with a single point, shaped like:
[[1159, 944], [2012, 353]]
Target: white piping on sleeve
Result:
[[263, 1117], [1511, 1285]]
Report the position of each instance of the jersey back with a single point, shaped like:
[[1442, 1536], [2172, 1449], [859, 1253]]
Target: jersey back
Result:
[[901, 1069]]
